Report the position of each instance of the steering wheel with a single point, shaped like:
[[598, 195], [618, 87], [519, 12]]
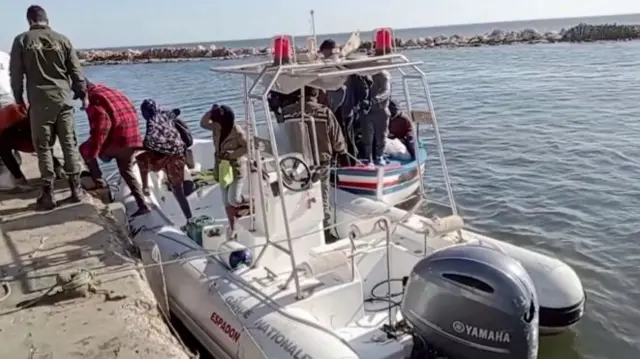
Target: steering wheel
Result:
[[296, 174]]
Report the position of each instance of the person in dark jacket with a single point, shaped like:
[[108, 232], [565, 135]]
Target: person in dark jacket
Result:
[[331, 145], [400, 127], [354, 108], [375, 124], [51, 66]]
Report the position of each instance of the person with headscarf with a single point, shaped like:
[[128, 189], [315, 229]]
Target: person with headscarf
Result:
[[165, 151], [230, 148], [113, 134]]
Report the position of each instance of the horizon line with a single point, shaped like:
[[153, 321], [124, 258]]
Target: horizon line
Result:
[[336, 33]]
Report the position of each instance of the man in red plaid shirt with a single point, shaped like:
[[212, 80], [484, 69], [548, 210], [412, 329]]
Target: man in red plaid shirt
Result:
[[114, 134]]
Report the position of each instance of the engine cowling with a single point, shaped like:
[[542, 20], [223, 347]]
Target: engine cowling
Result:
[[472, 302]]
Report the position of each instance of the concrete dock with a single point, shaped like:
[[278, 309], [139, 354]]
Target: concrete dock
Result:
[[115, 317]]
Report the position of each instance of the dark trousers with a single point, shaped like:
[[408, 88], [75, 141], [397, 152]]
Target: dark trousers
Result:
[[124, 160], [9, 141], [411, 147], [374, 127]]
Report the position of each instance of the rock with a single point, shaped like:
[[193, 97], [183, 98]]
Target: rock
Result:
[[530, 35], [579, 33], [607, 32], [411, 43]]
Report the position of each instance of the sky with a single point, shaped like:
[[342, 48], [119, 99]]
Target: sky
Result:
[[115, 23]]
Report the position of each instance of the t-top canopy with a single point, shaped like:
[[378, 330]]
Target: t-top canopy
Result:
[[325, 75]]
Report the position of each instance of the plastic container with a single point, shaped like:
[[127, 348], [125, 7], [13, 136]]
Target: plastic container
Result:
[[234, 255], [194, 227]]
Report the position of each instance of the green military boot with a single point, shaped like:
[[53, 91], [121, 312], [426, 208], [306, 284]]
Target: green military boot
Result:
[[46, 200], [77, 192]]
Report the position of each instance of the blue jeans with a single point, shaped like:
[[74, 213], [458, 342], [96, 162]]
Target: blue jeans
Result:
[[232, 195]]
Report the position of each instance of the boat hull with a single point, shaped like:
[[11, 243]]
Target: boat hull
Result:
[[399, 180], [218, 306], [203, 293]]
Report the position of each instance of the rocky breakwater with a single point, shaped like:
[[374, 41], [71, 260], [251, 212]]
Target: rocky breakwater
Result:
[[164, 54], [578, 33]]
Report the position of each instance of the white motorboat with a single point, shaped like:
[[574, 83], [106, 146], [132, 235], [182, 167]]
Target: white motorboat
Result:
[[277, 290]]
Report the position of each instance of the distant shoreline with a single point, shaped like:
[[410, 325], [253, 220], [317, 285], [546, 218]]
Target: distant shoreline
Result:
[[579, 33], [625, 19]]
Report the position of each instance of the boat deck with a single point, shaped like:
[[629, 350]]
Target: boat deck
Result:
[[120, 320]]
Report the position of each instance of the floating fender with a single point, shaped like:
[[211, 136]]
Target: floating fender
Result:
[[325, 263]]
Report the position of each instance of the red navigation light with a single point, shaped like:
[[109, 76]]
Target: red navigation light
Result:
[[281, 49], [384, 40]]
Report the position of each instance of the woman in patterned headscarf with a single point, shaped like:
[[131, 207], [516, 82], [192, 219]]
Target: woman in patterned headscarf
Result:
[[165, 151]]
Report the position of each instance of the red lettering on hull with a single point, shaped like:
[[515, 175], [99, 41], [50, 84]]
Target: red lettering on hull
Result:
[[226, 328]]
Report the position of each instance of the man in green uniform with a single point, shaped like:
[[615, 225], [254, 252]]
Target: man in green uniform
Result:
[[52, 70], [331, 145]]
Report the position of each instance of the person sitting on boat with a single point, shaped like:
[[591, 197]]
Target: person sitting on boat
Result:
[[374, 125], [164, 151], [15, 135], [401, 128], [331, 145], [113, 134], [230, 144]]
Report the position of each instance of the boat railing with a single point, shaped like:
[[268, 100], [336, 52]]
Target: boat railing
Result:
[[383, 223]]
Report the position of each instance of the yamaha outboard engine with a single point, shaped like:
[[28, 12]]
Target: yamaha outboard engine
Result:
[[471, 302]]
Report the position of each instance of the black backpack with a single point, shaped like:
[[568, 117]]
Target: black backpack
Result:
[[183, 128]]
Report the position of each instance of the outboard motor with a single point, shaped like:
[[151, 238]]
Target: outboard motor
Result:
[[471, 302]]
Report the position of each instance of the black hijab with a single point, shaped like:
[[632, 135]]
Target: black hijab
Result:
[[225, 117]]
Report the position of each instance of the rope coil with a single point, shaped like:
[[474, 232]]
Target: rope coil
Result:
[[79, 281]]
